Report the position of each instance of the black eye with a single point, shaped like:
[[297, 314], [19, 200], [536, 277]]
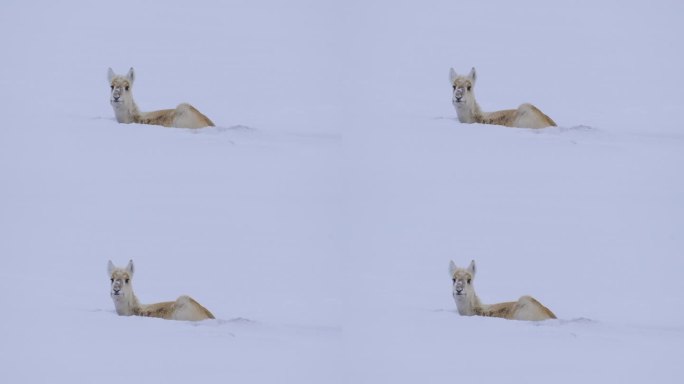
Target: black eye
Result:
[[112, 87], [127, 88], [127, 281], [454, 280], [454, 87], [469, 87], [468, 281], [112, 280]]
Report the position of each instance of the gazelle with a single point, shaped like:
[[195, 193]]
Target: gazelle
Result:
[[127, 304], [126, 111], [468, 110], [468, 304]]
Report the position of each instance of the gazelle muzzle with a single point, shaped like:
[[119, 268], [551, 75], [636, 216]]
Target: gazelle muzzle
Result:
[[116, 94], [459, 285], [116, 287], [458, 94]]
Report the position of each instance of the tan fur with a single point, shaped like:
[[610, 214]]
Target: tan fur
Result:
[[468, 110], [126, 110], [127, 304], [469, 304]]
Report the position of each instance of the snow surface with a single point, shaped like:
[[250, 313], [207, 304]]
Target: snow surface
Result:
[[317, 220]]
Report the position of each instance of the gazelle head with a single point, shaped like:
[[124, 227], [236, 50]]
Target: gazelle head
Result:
[[121, 88], [462, 280], [121, 281], [463, 88]]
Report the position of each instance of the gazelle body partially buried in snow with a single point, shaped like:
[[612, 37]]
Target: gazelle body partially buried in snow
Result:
[[468, 304], [126, 110], [127, 304], [468, 110]]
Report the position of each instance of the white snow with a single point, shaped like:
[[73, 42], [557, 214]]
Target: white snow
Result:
[[317, 220]]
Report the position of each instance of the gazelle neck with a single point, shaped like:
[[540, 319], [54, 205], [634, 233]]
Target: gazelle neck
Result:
[[126, 306], [468, 305], [469, 112], [126, 112]]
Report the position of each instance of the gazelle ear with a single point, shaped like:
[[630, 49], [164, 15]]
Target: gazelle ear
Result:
[[131, 75], [130, 268], [110, 75], [471, 268], [452, 75], [110, 265], [472, 75], [452, 268]]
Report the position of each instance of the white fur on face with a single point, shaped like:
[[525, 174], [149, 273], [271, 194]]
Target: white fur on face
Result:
[[121, 87], [462, 283], [121, 280], [120, 284], [462, 280], [120, 91], [462, 91]]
